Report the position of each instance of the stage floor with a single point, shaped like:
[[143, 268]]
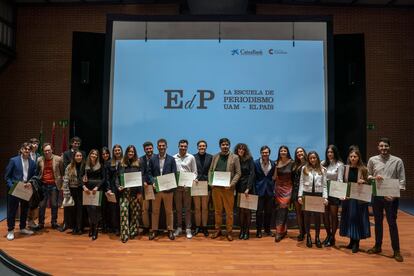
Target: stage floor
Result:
[[63, 254]]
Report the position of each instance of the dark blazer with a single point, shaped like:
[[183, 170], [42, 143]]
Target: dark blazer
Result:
[[154, 168], [247, 177], [202, 171], [144, 163], [264, 185], [14, 170]]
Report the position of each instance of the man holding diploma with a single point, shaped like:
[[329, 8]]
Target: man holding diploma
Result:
[[225, 161], [161, 164], [185, 163], [20, 168], [386, 166]]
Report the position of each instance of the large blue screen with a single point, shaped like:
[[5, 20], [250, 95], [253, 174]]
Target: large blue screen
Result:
[[260, 92]]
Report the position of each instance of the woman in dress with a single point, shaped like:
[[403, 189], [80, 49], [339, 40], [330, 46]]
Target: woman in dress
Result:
[[334, 171], [72, 187], [92, 180], [355, 216], [300, 161], [245, 186], [313, 183], [283, 191]]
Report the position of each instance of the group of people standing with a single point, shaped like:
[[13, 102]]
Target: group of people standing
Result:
[[278, 184]]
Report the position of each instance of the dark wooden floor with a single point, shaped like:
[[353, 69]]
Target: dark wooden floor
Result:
[[63, 254]]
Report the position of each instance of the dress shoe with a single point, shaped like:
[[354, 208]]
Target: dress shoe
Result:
[[300, 237], [318, 242], [246, 234], [355, 247], [229, 237], [374, 250], [397, 256], [56, 226], [152, 235], [216, 234], [171, 235], [308, 241], [94, 232], [76, 232], [205, 231], [241, 233], [196, 231]]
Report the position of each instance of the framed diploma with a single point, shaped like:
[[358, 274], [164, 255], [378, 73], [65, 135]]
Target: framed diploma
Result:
[[337, 189], [221, 179], [314, 204], [92, 199], [387, 187], [149, 193], [361, 192], [199, 188], [248, 202], [110, 197], [131, 179], [165, 182], [185, 179], [18, 190]]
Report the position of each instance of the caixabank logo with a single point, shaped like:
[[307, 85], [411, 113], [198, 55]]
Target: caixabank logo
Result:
[[277, 52], [246, 52]]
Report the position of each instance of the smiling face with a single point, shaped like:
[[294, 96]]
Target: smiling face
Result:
[[162, 148], [93, 156], [25, 151], [131, 153], [224, 147], [241, 151], [78, 157], [105, 156], [117, 153], [283, 153], [47, 151], [265, 153], [202, 147], [331, 155], [182, 149], [300, 154], [384, 148], [149, 150], [313, 160]]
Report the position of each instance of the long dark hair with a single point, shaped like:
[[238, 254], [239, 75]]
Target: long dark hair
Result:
[[337, 157], [113, 159], [125, 160], [298, 163], [278, 153], [105, 150], [72, 164]]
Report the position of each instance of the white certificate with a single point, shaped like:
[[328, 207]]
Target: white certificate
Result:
[[199, 188], [248, 202], [110, 197], [314, 204], [165, 182], [18, 190], [185, 179], [221, 179], [388, 187], [132, 179], [92, 199], [360, 191], [149, 193], [337, 189]]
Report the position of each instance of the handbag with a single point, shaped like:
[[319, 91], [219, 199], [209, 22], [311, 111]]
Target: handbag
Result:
[[68, 202]]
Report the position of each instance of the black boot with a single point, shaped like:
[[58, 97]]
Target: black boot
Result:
[[351, 244], [241, 233], [259, 233], [308, 240], [196, 231], [327, 241], [355, 247], [318, 242], [246, 234], [94, 232], [205, 231]]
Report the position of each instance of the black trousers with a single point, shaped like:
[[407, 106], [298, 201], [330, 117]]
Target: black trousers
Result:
[[77, 210], [379, 204], [264, 212], [12, 206]]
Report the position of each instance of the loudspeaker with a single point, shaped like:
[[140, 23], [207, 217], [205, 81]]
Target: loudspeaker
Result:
[[85, 72]]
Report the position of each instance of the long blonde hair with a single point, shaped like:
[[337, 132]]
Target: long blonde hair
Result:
[[318, 167]]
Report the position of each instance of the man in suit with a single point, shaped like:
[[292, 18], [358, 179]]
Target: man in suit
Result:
[[50, 171], [265, 189], [224, 161], [161, 164], [203, 162], [144, 162], [20, 168]]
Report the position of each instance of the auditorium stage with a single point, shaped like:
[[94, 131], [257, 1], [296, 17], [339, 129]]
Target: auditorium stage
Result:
[[63, 254]]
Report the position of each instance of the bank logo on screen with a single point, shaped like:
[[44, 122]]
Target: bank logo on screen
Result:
[[277, 52], [246, 52]]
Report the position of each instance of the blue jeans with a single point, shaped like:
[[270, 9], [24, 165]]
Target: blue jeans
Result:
[[50, 192]]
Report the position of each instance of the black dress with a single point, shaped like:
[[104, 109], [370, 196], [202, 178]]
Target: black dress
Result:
[[354, 217]]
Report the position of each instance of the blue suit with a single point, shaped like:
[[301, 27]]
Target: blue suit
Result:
[[14, 172], [265, 189], [154, 169]]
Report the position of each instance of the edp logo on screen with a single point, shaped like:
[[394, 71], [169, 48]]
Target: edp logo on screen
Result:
[[177, 100]]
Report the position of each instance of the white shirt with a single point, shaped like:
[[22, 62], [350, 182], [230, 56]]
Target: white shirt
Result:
[[266, 168], [315, 179], [162, 161], [186, 163], [25, 164], [391, 167], [335, 171]]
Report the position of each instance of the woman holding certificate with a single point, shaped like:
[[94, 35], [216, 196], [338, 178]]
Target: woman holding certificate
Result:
[[111, 171], [355, 215], [245, 186], [284, 185], [334, 171], [300, 161], [92, 180], [313, 189], [72, 188], [129, 196]]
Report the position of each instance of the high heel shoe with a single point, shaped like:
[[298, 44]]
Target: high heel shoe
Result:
[[355, 247]]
